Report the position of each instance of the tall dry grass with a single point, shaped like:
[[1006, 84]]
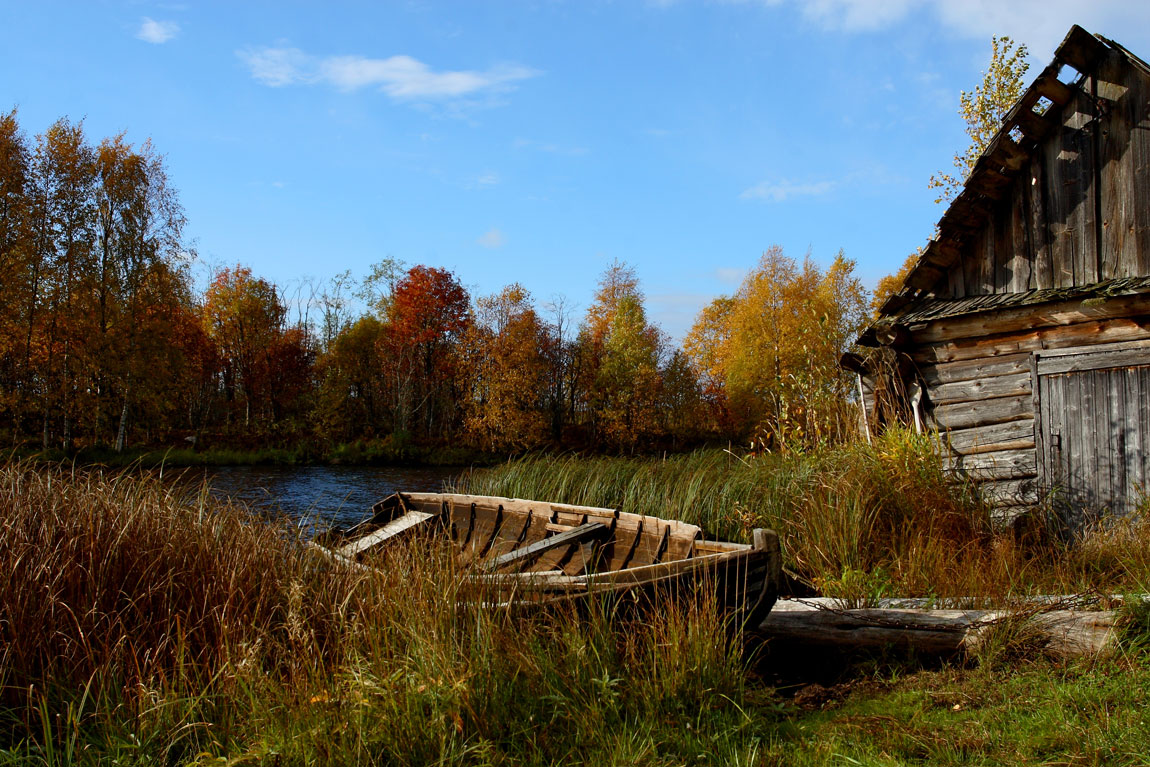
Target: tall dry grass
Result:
[[138, 628], [857, 521]]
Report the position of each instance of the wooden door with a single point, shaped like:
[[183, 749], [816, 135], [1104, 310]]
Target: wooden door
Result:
[[1094, 429]]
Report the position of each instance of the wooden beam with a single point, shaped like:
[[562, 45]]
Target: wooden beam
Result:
[[390, 530], [1051, 87], [1080, 50], [1034, 126], [575, 535]]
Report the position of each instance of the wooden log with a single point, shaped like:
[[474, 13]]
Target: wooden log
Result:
[[1004, 464], [1061, 633], [1080, 334], [967, 370], [981, 388], [984, 412], [1068, 312], [1011, 435]]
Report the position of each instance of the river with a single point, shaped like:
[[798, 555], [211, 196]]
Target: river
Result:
[[317, 496]]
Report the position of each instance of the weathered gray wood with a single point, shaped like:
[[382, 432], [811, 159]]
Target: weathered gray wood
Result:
[[1079, 334], [1061, 633], [1061, 313], [967, 370], [580, 533], [981, 388], [963, 415], [1039, 223], [1088, 360], [1005, 464], [1010, 492], [1011, 435], [390, 530]]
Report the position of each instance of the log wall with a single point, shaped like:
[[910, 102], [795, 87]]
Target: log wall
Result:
[[980, 387]]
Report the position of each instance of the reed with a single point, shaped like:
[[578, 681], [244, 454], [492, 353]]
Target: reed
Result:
[[140, 626], [858, 521]]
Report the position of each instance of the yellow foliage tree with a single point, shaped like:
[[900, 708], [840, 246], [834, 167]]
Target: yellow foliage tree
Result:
[[772, 350], [983, 110]]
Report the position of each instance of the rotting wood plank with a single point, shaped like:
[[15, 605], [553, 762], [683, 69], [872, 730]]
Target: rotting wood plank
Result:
[[1040, 235], [1019, 492], [390, 530], [1089, 360], [1119, 247], [526, 553], [1021, 254]]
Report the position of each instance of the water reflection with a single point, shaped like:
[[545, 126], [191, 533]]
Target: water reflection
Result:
[[316, 496]]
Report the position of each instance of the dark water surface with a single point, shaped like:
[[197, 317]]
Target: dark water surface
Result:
[[318, 495]]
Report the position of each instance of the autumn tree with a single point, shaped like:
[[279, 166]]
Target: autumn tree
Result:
[[15, 256], [508, 372], [352, 398], [427, 316], [244, 316], [621, 353], [983, 110], [892, 283], [59, 315], [772, 349]]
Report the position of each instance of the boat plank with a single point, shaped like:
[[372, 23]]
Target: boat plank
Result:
[[390, 530]]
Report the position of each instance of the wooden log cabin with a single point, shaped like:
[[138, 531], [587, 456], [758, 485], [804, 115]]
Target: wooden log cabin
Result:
[[1022, 334]]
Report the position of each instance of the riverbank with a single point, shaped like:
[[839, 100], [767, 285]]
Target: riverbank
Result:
[[141, 629], [352, 454]]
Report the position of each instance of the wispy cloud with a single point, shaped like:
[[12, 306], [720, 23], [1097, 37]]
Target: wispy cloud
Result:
[[152, 31], [403, 78], [490, 178], [784, 189], [1038, 23], [492, 239], [732, 275], [546, 146]]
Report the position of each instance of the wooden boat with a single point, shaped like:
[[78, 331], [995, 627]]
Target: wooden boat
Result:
[[535, 551]]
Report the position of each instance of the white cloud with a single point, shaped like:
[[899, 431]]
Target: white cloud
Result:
[[490, 178], [400, 77], [1040, 24], [152, 31], [779, 191], [492, 239], [856, 15]]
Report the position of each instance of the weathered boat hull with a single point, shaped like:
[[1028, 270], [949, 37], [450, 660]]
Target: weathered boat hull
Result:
[[528, 552]]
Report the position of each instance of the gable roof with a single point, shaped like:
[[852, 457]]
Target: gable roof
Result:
[[992, 178]]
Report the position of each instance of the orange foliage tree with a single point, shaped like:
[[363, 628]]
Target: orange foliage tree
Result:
[[428, 315], [507, 372]]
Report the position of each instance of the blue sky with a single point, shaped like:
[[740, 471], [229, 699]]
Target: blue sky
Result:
[[537, 141]]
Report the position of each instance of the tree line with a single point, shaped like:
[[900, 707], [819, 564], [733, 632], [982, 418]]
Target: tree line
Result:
[[105, 341]]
